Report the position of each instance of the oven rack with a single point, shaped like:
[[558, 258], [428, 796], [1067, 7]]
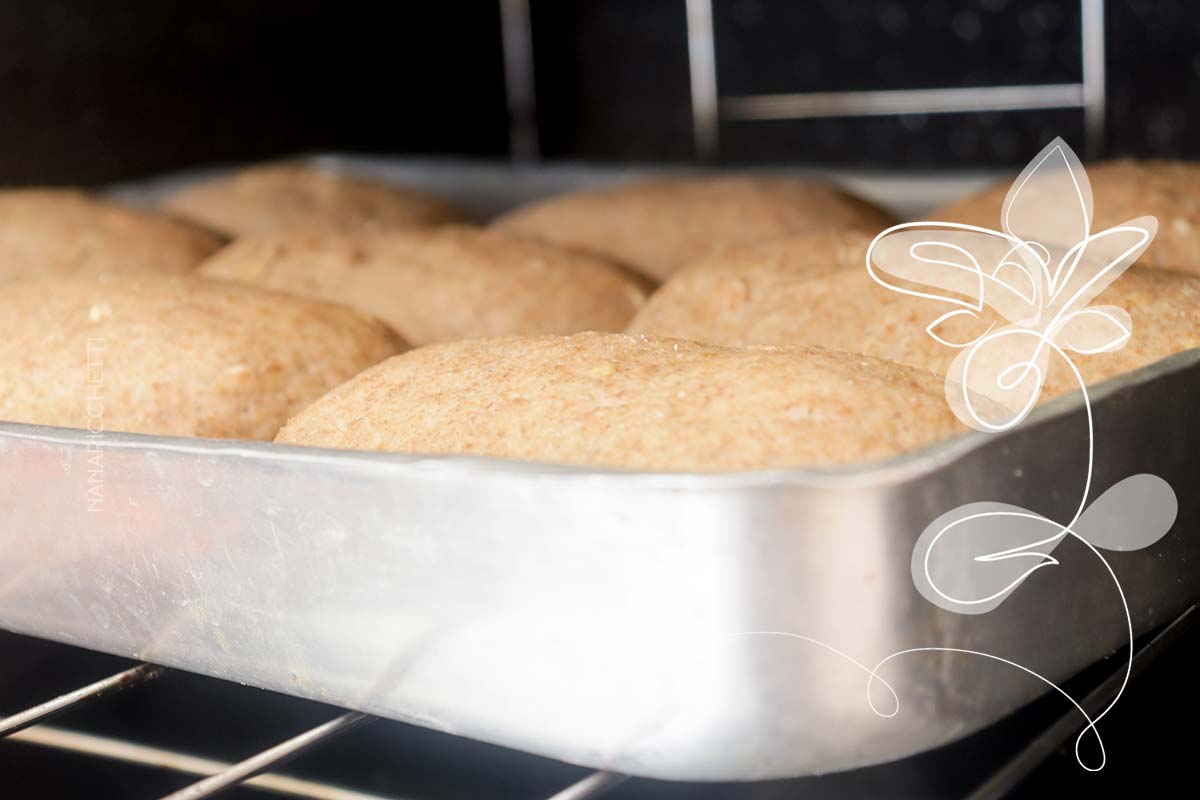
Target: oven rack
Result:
[[216, 776], [28, 726]]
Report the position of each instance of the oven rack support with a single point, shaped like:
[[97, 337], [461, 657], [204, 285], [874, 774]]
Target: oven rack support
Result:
[[710, 108]]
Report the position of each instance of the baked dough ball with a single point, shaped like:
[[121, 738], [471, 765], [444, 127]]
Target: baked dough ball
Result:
[[659, 225], [1121, 191], [51, 232], [815, 290], [174, 356], [441, 284], [614, 400], [276, 196]]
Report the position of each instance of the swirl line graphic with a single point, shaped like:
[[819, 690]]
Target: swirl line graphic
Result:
[[997, 377]]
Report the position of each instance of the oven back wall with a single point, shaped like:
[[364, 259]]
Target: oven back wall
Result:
[[92, 90]]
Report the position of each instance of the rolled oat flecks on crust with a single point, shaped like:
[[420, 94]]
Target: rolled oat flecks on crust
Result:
[[175, 356], [445, 283], [815, 290], [635, 402], [660, 225]]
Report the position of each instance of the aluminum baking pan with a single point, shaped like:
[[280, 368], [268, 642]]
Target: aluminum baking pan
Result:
[[597, 617], [486, 188]]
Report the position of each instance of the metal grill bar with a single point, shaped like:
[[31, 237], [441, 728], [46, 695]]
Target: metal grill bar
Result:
[[591, 786], [1091, 30], [155, 757], [902, 101], [708, 108], [114, 683], [274, 756], [218, 775], [702, 64], [517, 40]]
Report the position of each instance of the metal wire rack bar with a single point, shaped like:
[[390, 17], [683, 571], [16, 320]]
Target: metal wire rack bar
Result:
[[261, 762], [709, 107], [110, 685], [591, 786], [172, 760], [903, 101], [517, 40], [217, 775]]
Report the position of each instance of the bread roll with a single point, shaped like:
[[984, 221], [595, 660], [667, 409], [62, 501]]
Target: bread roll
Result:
[[1121, 191], [174, 356], [277, 196], [442, 284], [815, 290], [658, 225], [62, 232], [614, 400]]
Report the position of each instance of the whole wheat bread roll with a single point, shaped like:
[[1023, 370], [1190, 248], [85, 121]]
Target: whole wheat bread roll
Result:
[[815, 290], [174, 356], [659, 225], [441, 284], [1121, 191], [614, 400], [62, 232], [276, 196]]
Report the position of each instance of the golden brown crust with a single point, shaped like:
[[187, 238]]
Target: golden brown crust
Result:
[[63, 232], [659, 225], [273, 197], [1121, 191], [815, 290], [174, 356], [614, 400], [442, 284]]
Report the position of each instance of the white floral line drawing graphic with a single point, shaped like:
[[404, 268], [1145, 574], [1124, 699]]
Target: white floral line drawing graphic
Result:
[[1045, 267]]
